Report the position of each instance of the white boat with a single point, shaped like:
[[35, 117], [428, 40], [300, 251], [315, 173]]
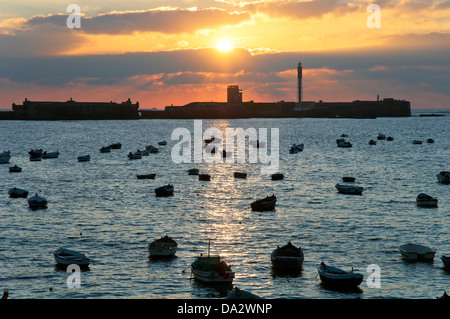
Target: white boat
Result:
[[443, 177], [414, 252], [65, 257], [17, 192], [37, 201], [211, 269], [50, 154], [163, 247], [336, 277], [84, 158], [15, 169], [425, 200], [287, 258], [349, 189]]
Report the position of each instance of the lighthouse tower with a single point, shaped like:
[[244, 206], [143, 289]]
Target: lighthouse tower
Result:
[[299, 80]]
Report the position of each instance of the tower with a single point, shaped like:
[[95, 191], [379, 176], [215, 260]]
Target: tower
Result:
[[299, 83]]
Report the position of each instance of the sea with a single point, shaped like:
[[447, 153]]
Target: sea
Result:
[[101, 209]]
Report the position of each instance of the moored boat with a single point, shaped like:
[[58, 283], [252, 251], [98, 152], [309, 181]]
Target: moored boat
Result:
[[425, 200], [381, 136], [264, 204], [204, 177], [240, 175], [5, 157], [211, 269], [343, 143], [37, 201], [115, 146], [163, 191], [417, 142], [47, 155], [430, 141], [162, 143], [84, 158], [135, 155], [35, 152], [349, 189], [414, 252], [287, 258], [105, 149], [277, 176], [348, 179], [17, 192], [443, 177], [65, 257], [15, 169], [389, 138], [372, 142], [163, 247], [145, 176], [446, 261], [338, 278], [193, 171], [296, 148]]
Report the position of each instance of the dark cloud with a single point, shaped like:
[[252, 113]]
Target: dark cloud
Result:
[[165, 21]]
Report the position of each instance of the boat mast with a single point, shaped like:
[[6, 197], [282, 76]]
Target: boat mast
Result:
[[209, 244]]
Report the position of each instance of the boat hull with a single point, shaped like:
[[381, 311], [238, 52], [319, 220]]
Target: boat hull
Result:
[[337, 278], [413, 252], [65, 257], [283, 263], [212, 277]]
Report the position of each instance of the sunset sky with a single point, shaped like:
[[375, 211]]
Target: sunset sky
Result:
[[178, 51]]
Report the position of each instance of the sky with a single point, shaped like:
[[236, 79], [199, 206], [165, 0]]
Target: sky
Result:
[[174, 52]]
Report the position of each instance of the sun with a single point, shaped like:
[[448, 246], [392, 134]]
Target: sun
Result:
[[224, 45]]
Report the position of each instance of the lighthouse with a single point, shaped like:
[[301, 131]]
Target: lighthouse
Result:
[[299, 83]]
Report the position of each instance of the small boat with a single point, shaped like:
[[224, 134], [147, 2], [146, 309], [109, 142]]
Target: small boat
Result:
[[50, 154], [381, 136], [389, 138], [430, 140], [162, 143], [193, 171], [372, 142], [343, 143], [287, 258], [415, 252], [425, 200], [154, 150], [37, 201], [4, 158], [237, 293], [204, 177], [349, 189], [240, 175], [443, 177], [446, 261], [17, 192], [163, 247], [296, 148], [35, 158], [348, 179], [84, 158], [277, 176], [145, 176], [164, 191], [5, 153], [35, 152], [417, 142], [15, 169], [115, 146], [135, 155], [211, 269], [105, 149], [65, 257], [336, 277], [146, 152], [265, 204]]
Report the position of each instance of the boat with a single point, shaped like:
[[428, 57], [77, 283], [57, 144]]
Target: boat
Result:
[[240, 175], [204, 177], [154, 150], [296, 148], [193, 171], [349, 189], [5, 153], [265, 204], [425, 200], [115, 146], [50, 154], [145, 176], [446, 261], [381, 136], [417, 142], [35, 152], [35, 158], [84, 158], [443, 177], [65, 257], [277, 176], [343, 143], [37, 201], [163, 247], [105, 149], [287, 258], [164, 191], [414, 252], [372, 142], [348, 179], [5, 157], [211, 269], [430, 140], [237, 293], [336, 277], [17, 192], [135, 155], [389, 138], [145, 152], [15, 169], [162, 143]]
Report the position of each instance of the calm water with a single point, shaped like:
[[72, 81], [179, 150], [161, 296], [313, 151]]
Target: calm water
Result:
[[101, 209]]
